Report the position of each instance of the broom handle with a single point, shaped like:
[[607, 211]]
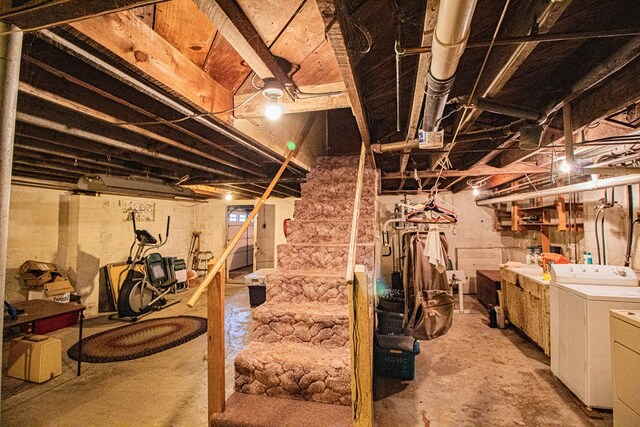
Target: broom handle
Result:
[[212, 273]]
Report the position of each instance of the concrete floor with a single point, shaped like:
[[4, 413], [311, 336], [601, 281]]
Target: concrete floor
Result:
[[164, 389], [473, 376], [479, 376]]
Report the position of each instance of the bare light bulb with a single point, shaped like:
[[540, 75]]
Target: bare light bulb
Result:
[[475, 191], [228, 196], [273, 111], [565, 167]]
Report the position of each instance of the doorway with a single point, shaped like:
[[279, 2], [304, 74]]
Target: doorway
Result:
[[240, 260]]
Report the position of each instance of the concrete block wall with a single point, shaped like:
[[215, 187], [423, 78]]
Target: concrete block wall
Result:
[[83, 233], [473, 243]]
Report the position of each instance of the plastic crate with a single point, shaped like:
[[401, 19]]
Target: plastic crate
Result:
[[390, 323], [396, 363], [257, 295]]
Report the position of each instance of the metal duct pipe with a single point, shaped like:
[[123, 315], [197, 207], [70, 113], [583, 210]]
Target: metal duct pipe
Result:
[[497, 132], [583, 186], [449, 40], [503, 108]]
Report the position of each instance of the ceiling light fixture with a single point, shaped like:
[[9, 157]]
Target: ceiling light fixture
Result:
[[273, 91], [565, 167], [475, 191], [228, 196]]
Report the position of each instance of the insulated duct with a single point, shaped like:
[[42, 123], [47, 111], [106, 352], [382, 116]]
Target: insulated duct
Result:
[[597, 184], [449, 40]]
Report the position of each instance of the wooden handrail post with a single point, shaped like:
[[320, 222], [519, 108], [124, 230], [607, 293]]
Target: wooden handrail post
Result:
[[361, 331], [215, 346], [210, 275]]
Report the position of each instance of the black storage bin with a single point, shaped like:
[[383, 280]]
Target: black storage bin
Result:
[[257, 295]]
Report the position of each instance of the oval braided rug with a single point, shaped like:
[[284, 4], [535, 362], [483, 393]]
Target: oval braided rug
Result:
[[139, 339]]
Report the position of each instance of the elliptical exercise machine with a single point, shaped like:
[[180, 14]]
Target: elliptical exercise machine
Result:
[[139, 294]]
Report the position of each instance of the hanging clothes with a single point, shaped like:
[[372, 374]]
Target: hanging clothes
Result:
[[429, 307], [434, 250]]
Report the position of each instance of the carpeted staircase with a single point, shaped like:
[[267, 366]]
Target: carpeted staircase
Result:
[[300, 347]]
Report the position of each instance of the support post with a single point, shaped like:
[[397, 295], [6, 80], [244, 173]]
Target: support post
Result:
[[567, 124], [215, 346], [10, 52], [361, 331]]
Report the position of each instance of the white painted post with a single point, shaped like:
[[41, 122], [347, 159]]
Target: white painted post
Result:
[[10, 52]]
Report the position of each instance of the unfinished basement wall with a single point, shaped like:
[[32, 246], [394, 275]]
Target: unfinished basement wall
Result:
[[473, 243], [616, 230], [83, 233]]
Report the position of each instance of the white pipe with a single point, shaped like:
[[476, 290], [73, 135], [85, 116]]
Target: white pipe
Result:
[[450, 36], [598, 184]]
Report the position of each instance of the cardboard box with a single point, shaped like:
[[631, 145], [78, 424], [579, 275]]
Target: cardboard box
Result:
[[37, 266], [32, 280], [58, 291]]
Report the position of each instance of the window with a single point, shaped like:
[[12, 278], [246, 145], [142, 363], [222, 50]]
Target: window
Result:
[[242, 217], [233, 217]]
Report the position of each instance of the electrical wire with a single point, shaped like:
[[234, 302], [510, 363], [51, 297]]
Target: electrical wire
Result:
[[193, 116], [434, 190]]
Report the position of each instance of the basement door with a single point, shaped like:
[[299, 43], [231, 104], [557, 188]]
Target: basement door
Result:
[[240, 261], [265, 237]]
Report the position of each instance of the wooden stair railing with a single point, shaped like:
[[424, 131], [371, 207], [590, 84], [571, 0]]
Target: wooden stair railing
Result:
[[214, 280], [360, 319]]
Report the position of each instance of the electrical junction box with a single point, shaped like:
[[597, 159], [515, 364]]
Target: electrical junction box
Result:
[[430, 140], [35, 358]]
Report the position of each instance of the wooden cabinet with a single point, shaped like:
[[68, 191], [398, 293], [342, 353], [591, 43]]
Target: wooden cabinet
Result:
[[527, 306], [488, 285]]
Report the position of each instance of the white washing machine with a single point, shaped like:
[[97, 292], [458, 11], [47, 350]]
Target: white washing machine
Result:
[[580, 297], [625, 355]]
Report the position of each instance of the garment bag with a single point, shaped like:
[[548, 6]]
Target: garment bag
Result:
[[430, 301]]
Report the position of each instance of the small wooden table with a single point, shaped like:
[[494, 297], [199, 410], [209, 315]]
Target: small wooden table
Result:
[[40, 309]]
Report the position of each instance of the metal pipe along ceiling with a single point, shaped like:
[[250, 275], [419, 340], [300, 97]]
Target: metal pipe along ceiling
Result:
[[449, 40], [597, 184]]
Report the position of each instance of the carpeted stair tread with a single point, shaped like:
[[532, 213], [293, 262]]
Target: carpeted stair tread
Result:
[[304, 285], [316, 323], [342, 210], [295, 371], [296, 256], [250, 410], [328, 231]]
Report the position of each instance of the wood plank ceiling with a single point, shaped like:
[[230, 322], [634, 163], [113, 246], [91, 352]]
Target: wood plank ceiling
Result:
[[106, 95]]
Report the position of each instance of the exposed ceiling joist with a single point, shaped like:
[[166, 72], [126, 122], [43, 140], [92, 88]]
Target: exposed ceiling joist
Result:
[[336, 36], [501, 66], [421, 83], [519, 168], [234, 25], [337, 99], [33, 14], [148, 53], [89, 136], [92, 113], [620, 91]]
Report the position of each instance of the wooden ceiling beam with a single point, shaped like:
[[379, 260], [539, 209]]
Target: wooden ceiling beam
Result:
[[39, 14], [620, 91], [519, 168], [335, 34], [420, 84], [142, 48], [234, 25], [99, 115], [255, 107], [503, 64]]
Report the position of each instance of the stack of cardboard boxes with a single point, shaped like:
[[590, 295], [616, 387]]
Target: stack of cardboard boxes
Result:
[[45, 281]]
